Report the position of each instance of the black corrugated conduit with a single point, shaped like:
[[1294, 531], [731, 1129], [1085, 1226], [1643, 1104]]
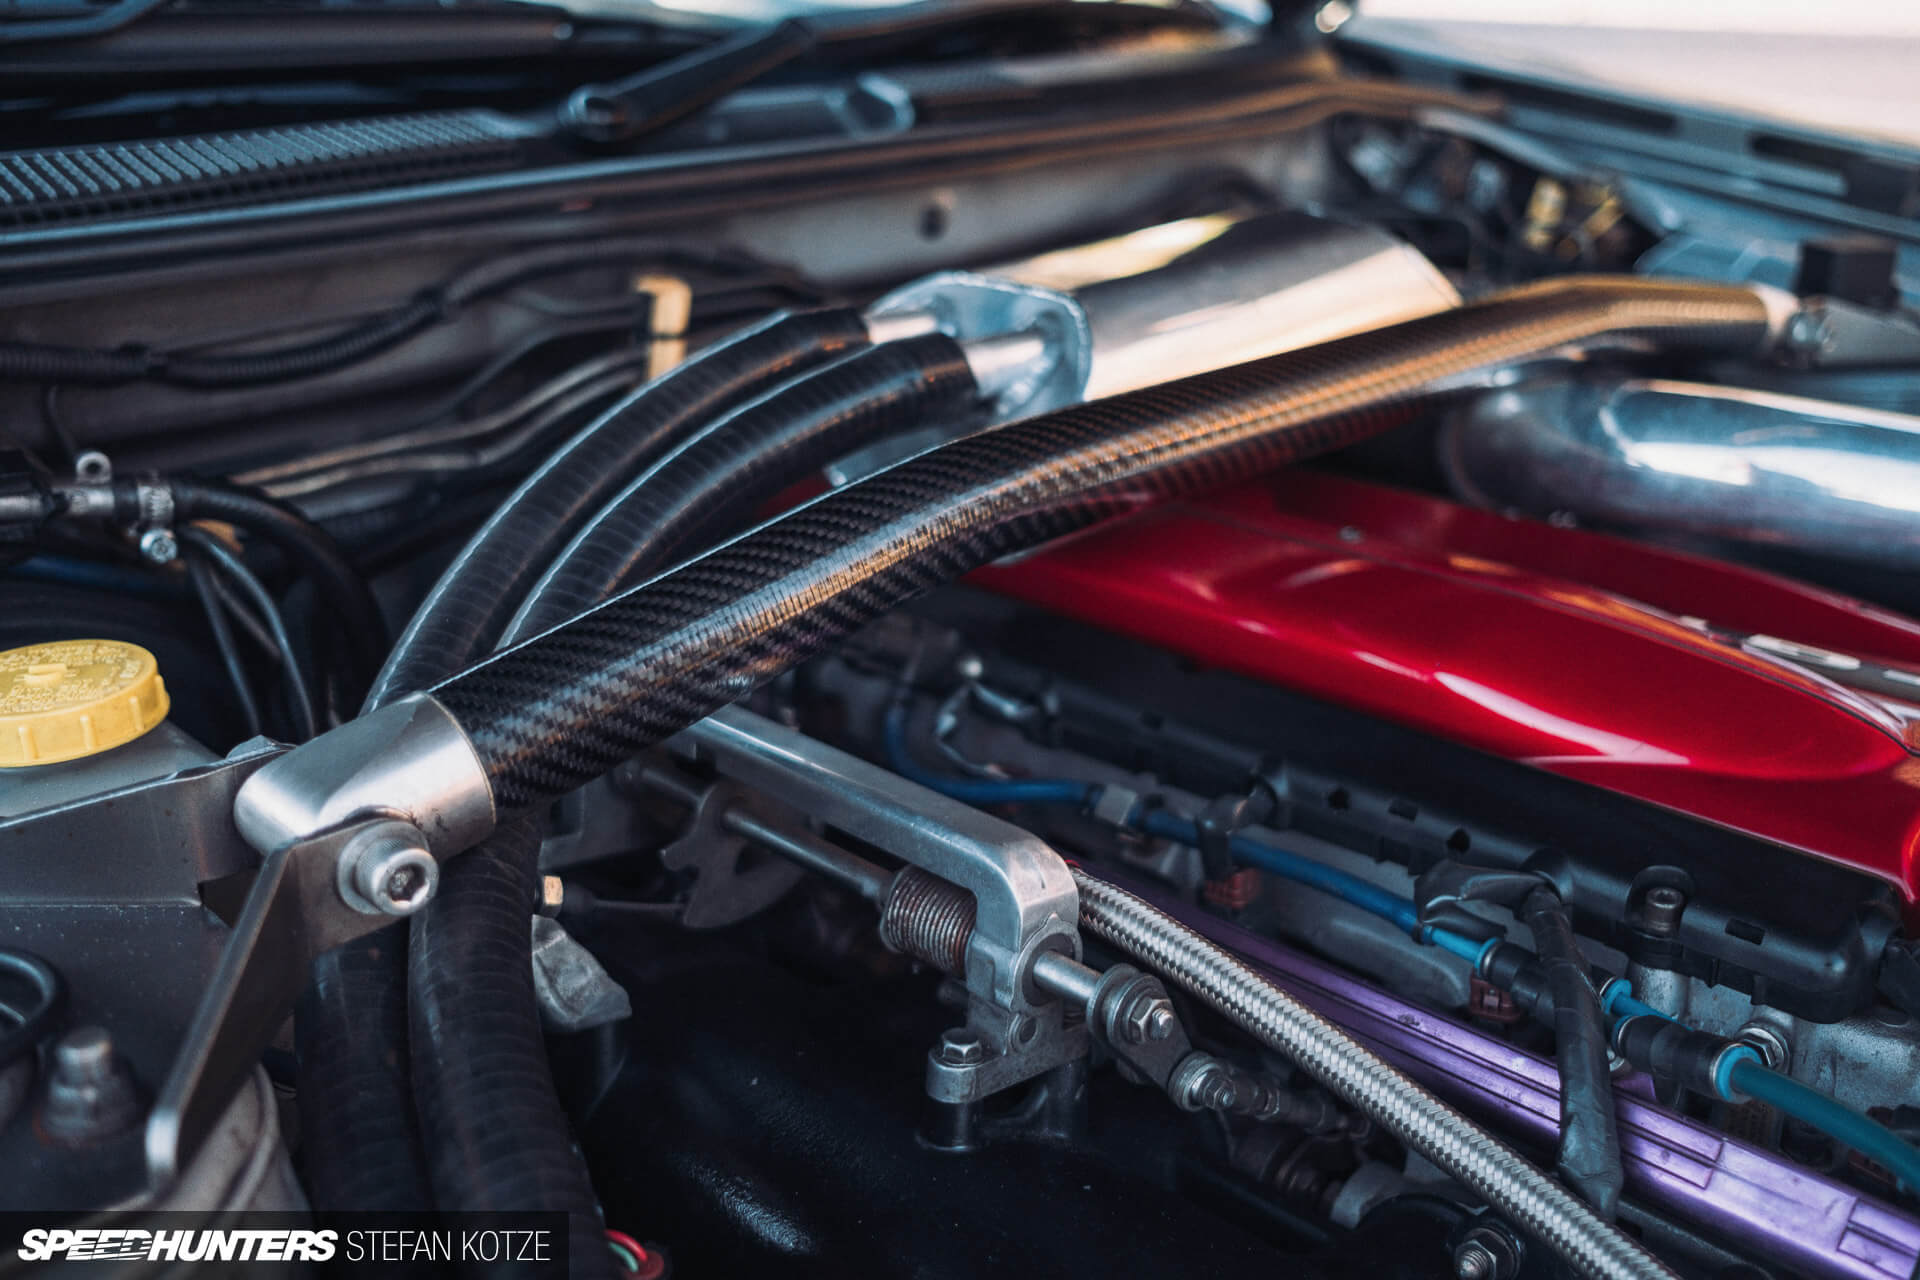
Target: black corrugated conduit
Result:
[[569, 704]]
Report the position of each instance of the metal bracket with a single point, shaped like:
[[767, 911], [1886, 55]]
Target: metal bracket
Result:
[[294, 912], [724, 891], [1025, 894], [1026, 904], [338, 821]]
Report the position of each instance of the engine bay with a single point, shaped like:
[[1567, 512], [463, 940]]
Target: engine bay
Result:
[[1053, 642]]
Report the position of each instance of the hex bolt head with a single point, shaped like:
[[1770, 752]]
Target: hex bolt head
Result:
[[388, 870], [962, 1047], [90, 1090], [160, 546], [1776, 1051]]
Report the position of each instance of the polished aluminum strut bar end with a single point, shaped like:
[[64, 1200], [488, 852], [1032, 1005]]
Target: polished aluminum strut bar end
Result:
[[409, 761]]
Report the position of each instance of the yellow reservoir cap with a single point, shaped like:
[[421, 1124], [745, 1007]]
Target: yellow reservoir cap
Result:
[[75, 698]]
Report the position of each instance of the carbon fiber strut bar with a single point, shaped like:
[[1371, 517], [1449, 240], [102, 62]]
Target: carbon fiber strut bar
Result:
[[352, 824]]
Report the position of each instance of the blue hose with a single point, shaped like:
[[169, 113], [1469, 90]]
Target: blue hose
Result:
[[1838, 1121], [1352, 889], [979, 791], [1167, 825]]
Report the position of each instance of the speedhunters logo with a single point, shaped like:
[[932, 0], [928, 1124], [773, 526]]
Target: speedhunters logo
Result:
[[131, 1244], [530, 1244]]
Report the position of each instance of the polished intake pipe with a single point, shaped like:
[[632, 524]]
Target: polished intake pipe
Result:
[[1693, 459], [569, 704]]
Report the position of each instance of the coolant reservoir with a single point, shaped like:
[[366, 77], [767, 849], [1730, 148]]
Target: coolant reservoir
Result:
[[83, 716]]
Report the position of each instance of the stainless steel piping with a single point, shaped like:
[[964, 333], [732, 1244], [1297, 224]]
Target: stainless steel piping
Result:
[[1682, 457], [1531, 1199]]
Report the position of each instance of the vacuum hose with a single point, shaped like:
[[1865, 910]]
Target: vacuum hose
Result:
[[567, 705], [1531, 1200]]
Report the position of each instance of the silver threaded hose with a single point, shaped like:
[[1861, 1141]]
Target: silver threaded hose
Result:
[[1529, 1198]]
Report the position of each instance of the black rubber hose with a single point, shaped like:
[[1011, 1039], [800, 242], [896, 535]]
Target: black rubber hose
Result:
[[496, 1138], [306, 359], [300, 705], [1589, 1154], [467, 609], [567, 705], [311, 549], [200, 575], [45, 362], [52, 362], [711, 485], [350, 1033]]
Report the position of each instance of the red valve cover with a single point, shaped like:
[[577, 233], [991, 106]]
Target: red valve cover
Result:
[[1653, 673]]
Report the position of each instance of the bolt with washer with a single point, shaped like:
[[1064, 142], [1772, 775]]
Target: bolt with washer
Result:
[[962, 1047], [160, 546], [388, 870], [1774, 1047]]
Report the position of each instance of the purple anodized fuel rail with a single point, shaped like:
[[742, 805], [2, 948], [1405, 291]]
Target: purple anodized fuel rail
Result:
[[1802, 1220]]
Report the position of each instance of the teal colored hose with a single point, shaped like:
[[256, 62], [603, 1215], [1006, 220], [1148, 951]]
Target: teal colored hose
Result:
[[1840, 1122], [1837, 1121]]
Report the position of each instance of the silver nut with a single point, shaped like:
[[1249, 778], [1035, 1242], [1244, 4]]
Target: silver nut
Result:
[[1774, 1047], [160, 546], [1142, 1017], [1486, 1253], [1216, 1091], [388, 870], [962, 1047], [1474, 1261]]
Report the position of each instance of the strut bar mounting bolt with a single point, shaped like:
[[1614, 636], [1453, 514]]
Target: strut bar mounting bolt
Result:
[[388, 870]]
